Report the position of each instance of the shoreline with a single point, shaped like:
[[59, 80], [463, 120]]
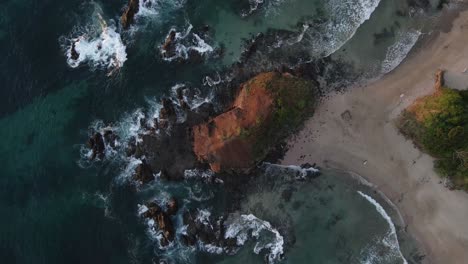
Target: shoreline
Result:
[[354, 131]]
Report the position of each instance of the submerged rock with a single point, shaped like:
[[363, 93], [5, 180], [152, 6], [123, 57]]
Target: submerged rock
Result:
[[172, 206], [111, 138], [168, 48], [163, 222], [143, 173], [168, 110], [74, 55], [268, 107], [128, 16], [96, 143]]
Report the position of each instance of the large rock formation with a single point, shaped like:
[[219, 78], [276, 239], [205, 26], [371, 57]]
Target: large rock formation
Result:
[[162, 221], [128, 16], [267, 107]]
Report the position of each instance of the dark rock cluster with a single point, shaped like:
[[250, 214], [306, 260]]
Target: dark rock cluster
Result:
[[208, 231], [163, 220], [97, 143]]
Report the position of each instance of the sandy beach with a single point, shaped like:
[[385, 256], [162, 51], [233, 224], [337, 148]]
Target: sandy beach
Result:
[[355, 131]]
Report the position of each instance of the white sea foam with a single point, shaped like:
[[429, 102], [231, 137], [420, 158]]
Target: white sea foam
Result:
[[293, 170], [142, 209], [267, 6], [199, 174], [345, 19], [208, 81], [100, 47], [185, 42], [203, 216], [390, 240], [253, 6], [151, 8], [399, 50], [212, 249], [129, 170], [240, 228]]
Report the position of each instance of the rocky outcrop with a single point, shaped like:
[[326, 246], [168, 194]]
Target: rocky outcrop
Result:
[[162, 221], [439, 82], [143, 173], [96, 144], [74, 55], [266, 108], [128, 16], [207, 230], [168, 48], [172, 206]]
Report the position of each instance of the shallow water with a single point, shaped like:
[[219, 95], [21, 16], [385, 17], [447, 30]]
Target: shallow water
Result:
[[60, 209], [328, 219]]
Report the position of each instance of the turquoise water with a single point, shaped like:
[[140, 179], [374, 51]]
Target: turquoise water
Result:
[[58, 208]]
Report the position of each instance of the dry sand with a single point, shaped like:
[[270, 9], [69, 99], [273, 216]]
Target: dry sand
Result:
[[366, 142]]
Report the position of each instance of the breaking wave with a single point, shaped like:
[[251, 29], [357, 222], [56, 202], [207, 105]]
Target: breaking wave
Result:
[[291, 172], [390, 240], [399, 50], [345, 17], [254, 6], [182, 44], [151, 8], [242, 226], [348, 16], [98, 45]]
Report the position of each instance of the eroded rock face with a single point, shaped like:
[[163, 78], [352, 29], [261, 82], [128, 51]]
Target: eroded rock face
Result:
[[128, 16], [267, 106]]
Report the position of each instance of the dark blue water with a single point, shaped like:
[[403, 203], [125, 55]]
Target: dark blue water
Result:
[[56, 209]]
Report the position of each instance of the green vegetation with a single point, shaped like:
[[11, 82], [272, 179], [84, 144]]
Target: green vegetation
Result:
[[295, 99], [438, 124]]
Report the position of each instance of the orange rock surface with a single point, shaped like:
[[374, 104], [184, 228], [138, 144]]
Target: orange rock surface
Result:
[[227, 142]]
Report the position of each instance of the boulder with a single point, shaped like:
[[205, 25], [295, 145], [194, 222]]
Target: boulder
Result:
[[96, 143], [128, 16], [74, 55], [167, 110], [165, 225], [110, 137], [163, 222], [168, 48], [172, 206], [153, 210], [143, 173]]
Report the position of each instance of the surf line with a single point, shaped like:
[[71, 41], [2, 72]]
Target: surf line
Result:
[[384, 214]]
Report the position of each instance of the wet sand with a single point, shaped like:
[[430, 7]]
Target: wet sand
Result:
[[355, 131]]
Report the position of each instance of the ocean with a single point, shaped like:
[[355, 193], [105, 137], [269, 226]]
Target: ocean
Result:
[[60, 207]]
